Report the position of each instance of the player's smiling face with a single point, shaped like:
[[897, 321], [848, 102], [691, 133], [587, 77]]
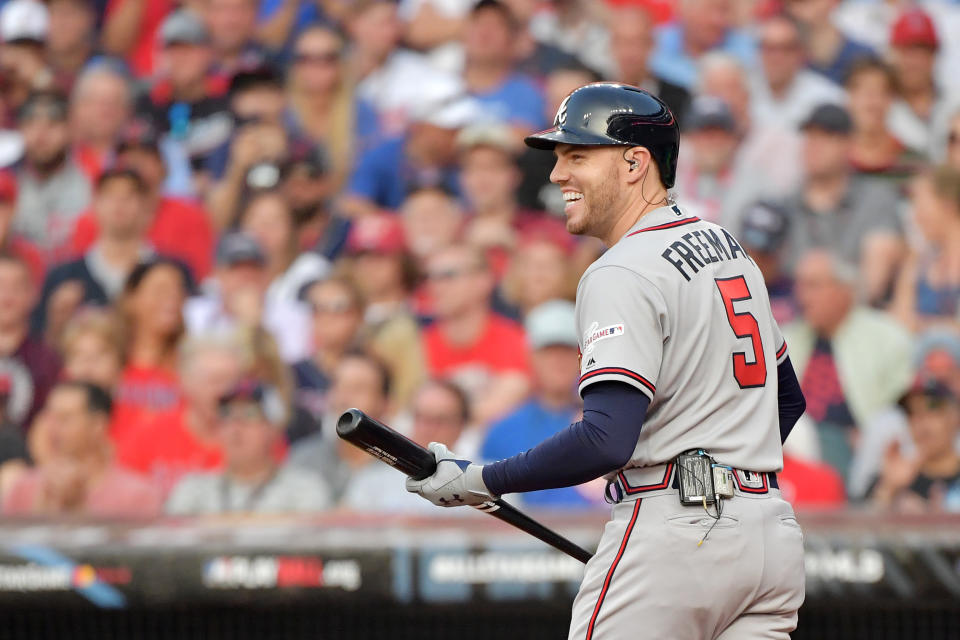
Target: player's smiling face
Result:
[[588, 177]]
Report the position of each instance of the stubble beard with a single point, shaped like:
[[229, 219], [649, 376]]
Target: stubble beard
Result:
[[597, 209]]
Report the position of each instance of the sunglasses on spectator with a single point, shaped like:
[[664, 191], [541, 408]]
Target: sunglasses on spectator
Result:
[[328, 57], [332, 306]]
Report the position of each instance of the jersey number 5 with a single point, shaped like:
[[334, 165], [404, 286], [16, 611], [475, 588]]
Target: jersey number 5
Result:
[[744, 325]]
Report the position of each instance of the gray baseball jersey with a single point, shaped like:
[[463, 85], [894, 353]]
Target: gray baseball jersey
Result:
[[678, 309]]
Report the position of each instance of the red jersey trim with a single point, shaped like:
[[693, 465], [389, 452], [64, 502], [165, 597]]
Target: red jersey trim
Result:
[[668, 225], [621, 372], [613, 567]]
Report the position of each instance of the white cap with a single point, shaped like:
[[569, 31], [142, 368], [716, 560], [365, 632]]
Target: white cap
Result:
[[24, 20], [551, 323], [445, 103]]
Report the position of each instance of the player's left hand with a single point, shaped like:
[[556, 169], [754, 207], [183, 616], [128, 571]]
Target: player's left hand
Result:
[[455, 483]]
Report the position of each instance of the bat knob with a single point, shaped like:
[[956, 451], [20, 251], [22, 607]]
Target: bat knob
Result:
[[349, 422]]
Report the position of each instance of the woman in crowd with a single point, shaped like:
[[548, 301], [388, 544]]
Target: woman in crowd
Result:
[[928, 290]]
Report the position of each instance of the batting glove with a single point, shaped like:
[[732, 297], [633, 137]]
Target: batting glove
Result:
[[455, 482]]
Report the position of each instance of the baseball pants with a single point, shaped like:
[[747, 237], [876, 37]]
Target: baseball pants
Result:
[[650, 580]]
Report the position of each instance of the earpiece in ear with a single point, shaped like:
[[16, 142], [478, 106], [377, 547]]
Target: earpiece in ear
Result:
[[633, 165]]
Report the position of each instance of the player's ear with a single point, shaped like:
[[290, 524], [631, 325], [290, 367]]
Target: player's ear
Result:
[[638, 163]]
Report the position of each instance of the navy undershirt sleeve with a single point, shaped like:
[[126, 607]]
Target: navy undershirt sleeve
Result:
[[601, 442], [789, 398]]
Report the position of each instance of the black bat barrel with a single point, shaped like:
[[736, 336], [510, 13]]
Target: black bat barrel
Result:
[[384, 443]]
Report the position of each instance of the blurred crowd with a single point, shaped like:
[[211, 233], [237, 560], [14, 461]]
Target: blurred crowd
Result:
[[224, 222]]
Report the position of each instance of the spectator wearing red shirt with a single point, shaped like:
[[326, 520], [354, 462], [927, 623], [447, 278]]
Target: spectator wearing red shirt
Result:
[[29, 366], [78, 474], [186, 440], [805, 483], [178, 227], [10, 241], [484, 353], [151, 310]]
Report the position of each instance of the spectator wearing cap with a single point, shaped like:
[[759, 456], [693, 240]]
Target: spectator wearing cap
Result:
[[853, 216], [490, 177], [385, 274], [875, 151], [78, 474], [395, 81], [425, 156], [178, 227], [305, 182], [28, 365], [336, 308], [24, 25], [631, 43], [534, 57], [829, 51], [188, 102], [914, 45], [72, 39], [846, 380], [928, 477], [578, 28], [489, 39], [553, 405], [706, 167], [323, 106], [785, 93], [52, 188], [98, 276], [236, 298], [10, 241], [101, 106], [485, 353], [268, 218], [763, 231], [249, 427], [130, 31], [232, 25], [700, 26], [928, 286]]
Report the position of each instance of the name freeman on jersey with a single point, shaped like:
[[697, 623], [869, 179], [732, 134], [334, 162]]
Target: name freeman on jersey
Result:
[[700, 248]]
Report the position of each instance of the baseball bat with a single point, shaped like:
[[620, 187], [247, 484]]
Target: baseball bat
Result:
[[418, 462]]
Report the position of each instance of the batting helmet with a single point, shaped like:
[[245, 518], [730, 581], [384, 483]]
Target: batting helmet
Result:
[[610, 113]]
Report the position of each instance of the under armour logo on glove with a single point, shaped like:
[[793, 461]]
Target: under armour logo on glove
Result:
[[455, 481]]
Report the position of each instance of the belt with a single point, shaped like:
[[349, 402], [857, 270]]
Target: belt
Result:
[[661, 479]]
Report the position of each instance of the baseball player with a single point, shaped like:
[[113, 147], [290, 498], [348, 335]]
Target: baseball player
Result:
[[688, 395]]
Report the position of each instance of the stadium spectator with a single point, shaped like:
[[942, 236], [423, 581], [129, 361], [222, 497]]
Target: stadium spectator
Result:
[[307, 185], [631, 42], [236, 299], [94, 349], [171, 445], [52, 189], [552, 336], [854, 216], [79, 475], [385, 274], [425, 157], [150, 309], [440, 413], [699, 27], [337, 316], [763, 231], [928, 288], [249, 428], [119, 209], [360, 381], [874, 150], [929, 478], [72, 39], [188, 102], [577, 27], [540, 270], [24, 26], [828, 51], [489, 72], [322, 106], [28, 366], [534, 57], [845, 378], [483, 352], [130, 31], [178, 227], [395, 81], [11, 241], [268, 219], [786, 93], [232, 27], [101, 105], [810, 484], [432, 220]]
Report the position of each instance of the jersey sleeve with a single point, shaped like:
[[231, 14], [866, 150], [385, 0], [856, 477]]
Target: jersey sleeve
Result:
[[622, 321], [780, 342]]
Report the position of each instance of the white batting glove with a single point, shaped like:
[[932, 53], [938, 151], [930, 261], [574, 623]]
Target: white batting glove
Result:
[[455, 483]]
